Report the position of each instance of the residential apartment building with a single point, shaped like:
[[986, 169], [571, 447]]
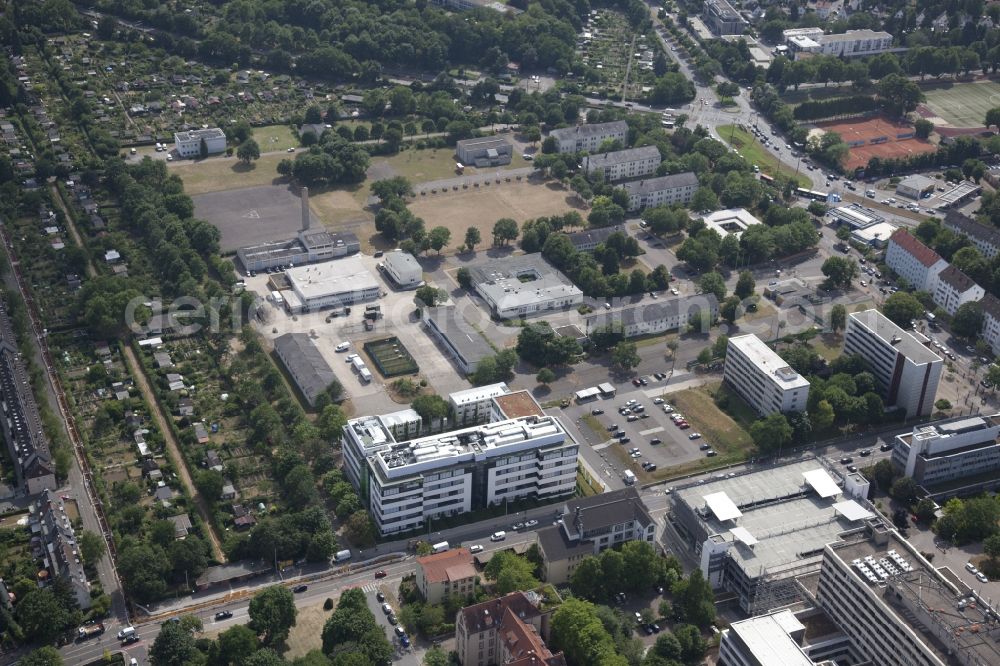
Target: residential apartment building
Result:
[[55, 543], [913, 261], [954, 288], [722, 18], [656, 317], [588, 138], [984, 238], [906, 371], [676, 188], [588, 239], [406, 484], [623, 164], [27, 445], [496, 632], [188, 144], [763, 378], [754, 533], [898, 608], [473, 406], [590, 525], [856, 43], [991, 321], [451, 573], [949, 450]]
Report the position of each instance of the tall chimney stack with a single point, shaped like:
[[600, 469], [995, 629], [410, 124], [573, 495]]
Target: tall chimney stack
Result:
[[305, 208]]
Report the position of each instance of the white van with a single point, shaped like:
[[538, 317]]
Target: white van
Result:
[[498, 536], [342, 556], [126, 632], [440, 547], [342, 347]]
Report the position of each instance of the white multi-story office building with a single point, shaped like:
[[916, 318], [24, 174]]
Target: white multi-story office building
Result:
[[676, 188], [986, 239], [188, 144], [954, 288], [474, 405], [913, 261], [623, 164], [949, 450], [763, 378], [906, 371], [589, 137], [856, 43], [407, 484], [897, 608]]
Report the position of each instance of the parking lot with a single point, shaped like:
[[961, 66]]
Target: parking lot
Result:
[[675, 446]]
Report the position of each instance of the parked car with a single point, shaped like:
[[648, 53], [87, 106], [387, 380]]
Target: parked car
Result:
[[223, 615], [528, 524], [300, 588], [387, 609], [380, 573], [379, 596], [694, 435]]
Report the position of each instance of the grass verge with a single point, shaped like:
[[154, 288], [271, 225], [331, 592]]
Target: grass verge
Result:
[[721, 430], [755, 153]]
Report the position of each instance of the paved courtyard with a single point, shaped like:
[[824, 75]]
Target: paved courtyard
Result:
[[251, 215]]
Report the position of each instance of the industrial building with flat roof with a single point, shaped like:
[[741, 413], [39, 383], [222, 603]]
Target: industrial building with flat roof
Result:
[[730, 221], [404, 269], [522, 286], [305, 365], [946, 451], [487, 151], [907, 372], [762, 378], [855, 216], [874, 235], [676, 188], [463, 344], [330, 284], [755, 532], [589, 137], [657, 317], [405, 485], [623, 164], [915, 186], [188, 144]]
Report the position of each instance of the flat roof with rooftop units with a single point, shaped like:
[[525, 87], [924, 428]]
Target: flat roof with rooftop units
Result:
[[855, 216]]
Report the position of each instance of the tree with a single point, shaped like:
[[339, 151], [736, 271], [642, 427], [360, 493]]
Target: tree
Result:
[[272, 614], [464, 277], [838, 318], [991, 546], [730, 309], [431, 407], [693, 646], [923, 128], [904, 490], [472, 238], [925, 510], [712, 283], [942, 405], [174, 646], [428, 295], [587, 581], [839, 271], [439, 237], [43, 656], [360, 528], [897, 94], [236, 644], [248, 151], [545, 376], [202, 149], [91, 547], [902, 308], [504, 231], [667, 646], [41, 616], [694, 600], [511, 572], [993, 117], [745, 285], [771, 433], [625, 356], [968, 320], [579, 633], [884, 473], [265, 657]]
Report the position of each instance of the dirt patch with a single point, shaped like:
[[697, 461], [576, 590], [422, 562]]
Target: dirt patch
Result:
[[307, 634], [483, 206]]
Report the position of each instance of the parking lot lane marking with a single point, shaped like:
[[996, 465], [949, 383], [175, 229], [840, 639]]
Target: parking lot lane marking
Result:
[[651, 431]]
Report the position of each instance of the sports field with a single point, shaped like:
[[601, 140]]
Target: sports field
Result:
[[876, 136], [391, 357], [960, 104]]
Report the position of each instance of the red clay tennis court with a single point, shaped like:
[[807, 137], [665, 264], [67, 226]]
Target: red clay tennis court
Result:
[[876, 136]]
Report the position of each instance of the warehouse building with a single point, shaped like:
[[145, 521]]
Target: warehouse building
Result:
[[523, 286], [654, 318], [188, 144], [906, 371], [753, 534], [623, 164], [305, 365], [589, 137], [762, 378], [676, 188], [855, 216], [463, 344], [403, 268], [329, 284], [487, 151], [916, 186]]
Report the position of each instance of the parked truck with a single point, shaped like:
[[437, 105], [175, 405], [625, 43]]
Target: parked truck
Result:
[[89, 631], [628, 477]]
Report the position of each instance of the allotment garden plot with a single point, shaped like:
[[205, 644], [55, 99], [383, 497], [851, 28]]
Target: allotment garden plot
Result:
[[391, 358]]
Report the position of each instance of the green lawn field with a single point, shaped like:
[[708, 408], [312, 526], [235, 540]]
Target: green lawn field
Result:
[[963, 104], [755, 153]]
